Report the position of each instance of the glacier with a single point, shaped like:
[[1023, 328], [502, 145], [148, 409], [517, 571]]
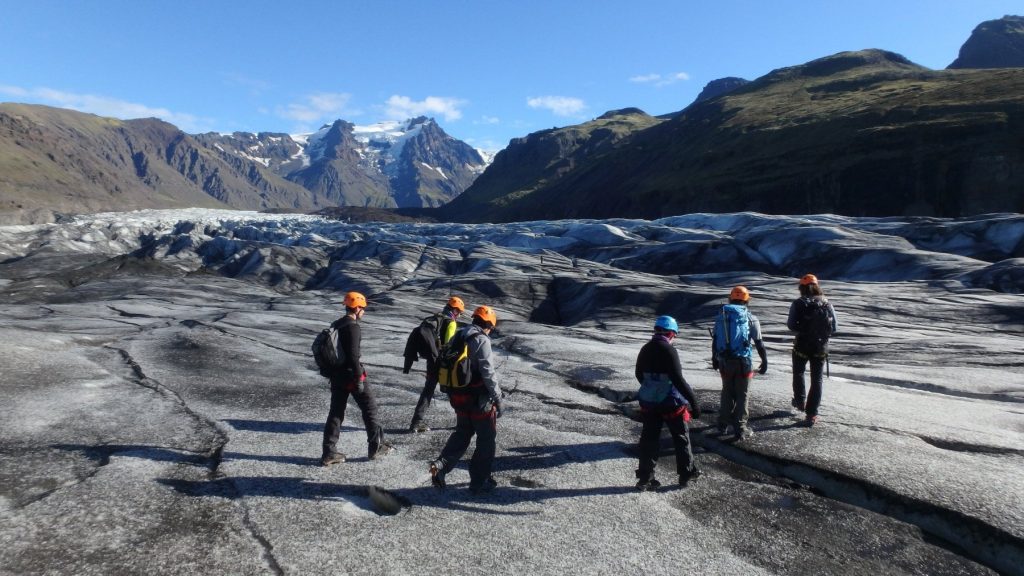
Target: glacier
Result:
[[160, 411]]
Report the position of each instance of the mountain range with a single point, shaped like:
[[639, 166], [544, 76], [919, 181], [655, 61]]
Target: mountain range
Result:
[[856, 133], [55, 161]]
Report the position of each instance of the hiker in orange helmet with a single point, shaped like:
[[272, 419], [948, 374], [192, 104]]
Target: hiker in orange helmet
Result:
[[349, 379], [426, 341], [477, 407], [735, 329], [813, 319]]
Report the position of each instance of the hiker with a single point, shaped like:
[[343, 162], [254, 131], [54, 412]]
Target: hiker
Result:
[[813, 319], [735, 329], [477, 406], [665, 397], [425, 342], [349, 378]]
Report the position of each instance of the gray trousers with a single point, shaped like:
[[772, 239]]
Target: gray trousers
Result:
[[736, 376]]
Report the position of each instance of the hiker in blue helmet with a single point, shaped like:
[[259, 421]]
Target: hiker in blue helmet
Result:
[[731, 355], [665, 398], [813, 319]]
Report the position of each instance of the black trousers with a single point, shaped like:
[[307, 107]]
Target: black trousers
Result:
[[812, 396], [650, 443], [360, 391], [470, 421], [427, 395]]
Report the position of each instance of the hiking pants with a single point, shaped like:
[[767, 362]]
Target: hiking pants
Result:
[[470, 420], [813, 396], [427, 395], [650, 442], [360, 391], [736, 376]]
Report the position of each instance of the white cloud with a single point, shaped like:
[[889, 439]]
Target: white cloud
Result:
[[659, 79], [487, 120], [558, 105], [402, 107], [106, 106], [645, 78], [317, 107]]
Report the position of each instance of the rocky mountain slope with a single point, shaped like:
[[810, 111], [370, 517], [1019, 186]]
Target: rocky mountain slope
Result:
[[55, 161], [994, 44], [856, 133], [395, 164]]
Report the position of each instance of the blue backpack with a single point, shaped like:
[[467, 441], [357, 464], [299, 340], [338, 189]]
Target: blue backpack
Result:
[[732, 332]]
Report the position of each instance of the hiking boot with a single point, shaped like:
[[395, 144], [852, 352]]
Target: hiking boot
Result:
[[332, 458], [649, 484], [488, 485], [722, 429], [692, 475], [437, 475], [383, 450], [744, 433], [810, 421], [419, 426], [798, 404]]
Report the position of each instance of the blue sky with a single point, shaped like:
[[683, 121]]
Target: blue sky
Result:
[[487, 71]]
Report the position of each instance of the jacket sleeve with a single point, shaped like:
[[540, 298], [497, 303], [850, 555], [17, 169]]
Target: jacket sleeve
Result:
[[483, 357], [832, 316], [793, 321], [640, 363], [351, 340], [678, 381], [411, 350]]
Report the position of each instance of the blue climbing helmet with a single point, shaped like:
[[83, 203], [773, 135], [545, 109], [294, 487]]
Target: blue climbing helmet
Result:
[[667, 323]]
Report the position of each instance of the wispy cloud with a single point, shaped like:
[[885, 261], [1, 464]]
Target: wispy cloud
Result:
[[255, 86], [487, 120], [318, 107], [660, 79], [402, 107], [558, 105], [106, 106]]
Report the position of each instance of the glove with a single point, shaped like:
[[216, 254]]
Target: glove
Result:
[[695, 411], [363, 377], [763, 368], [497, 407], [714, 363]]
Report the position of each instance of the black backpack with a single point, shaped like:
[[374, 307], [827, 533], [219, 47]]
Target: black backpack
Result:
[[326, 352], [814, 327]]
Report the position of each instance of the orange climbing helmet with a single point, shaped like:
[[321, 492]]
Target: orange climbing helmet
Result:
[[740, 293], [456, 303], [355, 300], [487, 314], [808, 279]]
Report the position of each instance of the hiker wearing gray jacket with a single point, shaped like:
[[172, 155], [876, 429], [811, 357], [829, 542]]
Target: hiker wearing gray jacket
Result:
[[477, 408]]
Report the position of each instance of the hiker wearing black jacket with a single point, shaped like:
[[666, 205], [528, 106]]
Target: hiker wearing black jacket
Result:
[[349, 379], [813, 319], [665, 398], [425, 342]]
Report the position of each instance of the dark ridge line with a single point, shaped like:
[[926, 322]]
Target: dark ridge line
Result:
[[215, 455], [146, 382], [959, 533], [189, 323], [934, 389], [951, 445], [124, 314]]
